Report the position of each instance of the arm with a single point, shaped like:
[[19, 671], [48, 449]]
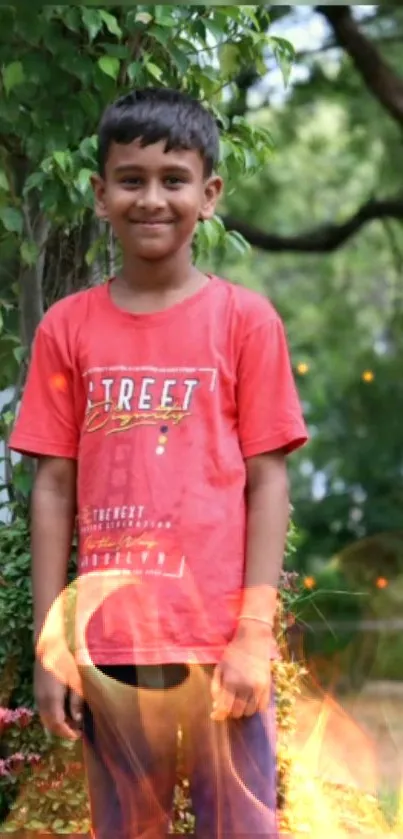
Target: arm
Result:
[[47, 427], [270, 425], [267, 524], [242, 681], [52, 526]]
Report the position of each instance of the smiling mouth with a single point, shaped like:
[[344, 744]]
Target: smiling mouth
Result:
[[145, 223]]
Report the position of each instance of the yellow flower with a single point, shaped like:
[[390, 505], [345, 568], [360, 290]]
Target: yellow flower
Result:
[[368, 376], [303, 368]]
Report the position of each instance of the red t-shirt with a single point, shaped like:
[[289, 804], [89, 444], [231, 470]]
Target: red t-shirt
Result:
[[160, 410]]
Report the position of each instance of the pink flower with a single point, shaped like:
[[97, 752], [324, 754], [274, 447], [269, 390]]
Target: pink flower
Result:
[[16, 759], [4, 773], [21, 717], [6, 718], [33, 759]]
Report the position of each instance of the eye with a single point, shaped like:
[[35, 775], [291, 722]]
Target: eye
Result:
[[131, 181], [174, 181]]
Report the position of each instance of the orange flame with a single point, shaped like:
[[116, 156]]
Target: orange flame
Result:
[[335, 776]]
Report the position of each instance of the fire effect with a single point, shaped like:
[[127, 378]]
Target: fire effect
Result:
[[332, 777]]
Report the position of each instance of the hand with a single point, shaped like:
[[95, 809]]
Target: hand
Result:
[[50, 696], [242, 680]]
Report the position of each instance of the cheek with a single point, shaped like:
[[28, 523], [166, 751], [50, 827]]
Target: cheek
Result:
[[187, 206], [118, 201]]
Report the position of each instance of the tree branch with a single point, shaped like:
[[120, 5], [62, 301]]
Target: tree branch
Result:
[[323, 239], [301, 55], [380, 78]]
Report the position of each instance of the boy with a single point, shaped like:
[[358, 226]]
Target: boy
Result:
[[161, 406]]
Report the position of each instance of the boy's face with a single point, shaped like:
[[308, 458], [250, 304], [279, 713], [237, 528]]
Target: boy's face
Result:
[[153, 199]]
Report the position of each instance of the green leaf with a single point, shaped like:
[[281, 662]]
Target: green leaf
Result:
[[71, 18], [33, 181], [88, 146], [236, 242], [4, 185], [164, 16], [12, 219], [29, 253], [229, 60], [13, 75], [179, 58], [84, 179], [92, 21], [94, 250], [133, 71], [116, 50], [8, 418], [19, 354], [109, 65], [160, 33], [215, 28], [62, 159], [111, 23], [284, 55], [143, 17], [154, 71]]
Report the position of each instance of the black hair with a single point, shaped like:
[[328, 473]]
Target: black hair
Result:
[[155, 114]]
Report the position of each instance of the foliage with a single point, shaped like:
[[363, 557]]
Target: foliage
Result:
[[342, 310]]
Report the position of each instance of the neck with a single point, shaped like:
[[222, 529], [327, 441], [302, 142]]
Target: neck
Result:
[[158, 275]]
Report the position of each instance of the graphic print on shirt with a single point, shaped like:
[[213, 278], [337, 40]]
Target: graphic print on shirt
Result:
[[138, 409]]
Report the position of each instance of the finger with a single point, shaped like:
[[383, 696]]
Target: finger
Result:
[[263, 700], [56, 724], [239, 706], [215, 686], [251, 706], [76, 708], [222, 705]]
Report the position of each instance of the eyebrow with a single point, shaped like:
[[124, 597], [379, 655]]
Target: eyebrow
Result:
[[135, 167]]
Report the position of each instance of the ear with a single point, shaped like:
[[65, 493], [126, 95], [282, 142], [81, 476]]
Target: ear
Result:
[[213, 188], [98, 186]]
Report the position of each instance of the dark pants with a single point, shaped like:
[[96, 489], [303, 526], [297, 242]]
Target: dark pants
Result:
[[131, 721]]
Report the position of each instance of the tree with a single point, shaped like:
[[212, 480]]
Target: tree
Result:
[[365, 62]]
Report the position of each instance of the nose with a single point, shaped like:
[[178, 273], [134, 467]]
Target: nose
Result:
[[151, 197]]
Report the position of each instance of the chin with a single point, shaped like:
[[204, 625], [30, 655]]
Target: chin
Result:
[[153, 254]]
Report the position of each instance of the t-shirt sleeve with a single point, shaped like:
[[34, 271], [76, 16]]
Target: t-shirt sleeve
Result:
[[46, 423], [269, 410]]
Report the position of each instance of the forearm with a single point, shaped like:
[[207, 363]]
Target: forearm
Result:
[[52, 527], [267, 524]]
